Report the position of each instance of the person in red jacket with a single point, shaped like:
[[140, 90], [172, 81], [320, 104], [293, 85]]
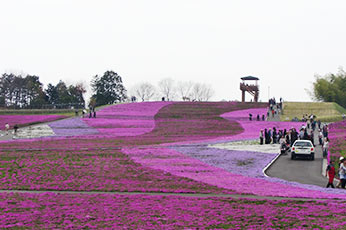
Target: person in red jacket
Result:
[[330, 171]]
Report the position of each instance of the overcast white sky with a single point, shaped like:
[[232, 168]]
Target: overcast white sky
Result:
[[284, 43]]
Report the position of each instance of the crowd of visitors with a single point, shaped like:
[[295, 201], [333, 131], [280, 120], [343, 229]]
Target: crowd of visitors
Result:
[[272, 103], [286, 138], [331, 172], [274, 107], [306, 132]]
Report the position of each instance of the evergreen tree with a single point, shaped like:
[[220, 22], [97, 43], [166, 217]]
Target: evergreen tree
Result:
[[108, 89]]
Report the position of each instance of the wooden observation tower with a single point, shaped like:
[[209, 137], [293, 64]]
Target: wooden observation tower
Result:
[[250, 88]]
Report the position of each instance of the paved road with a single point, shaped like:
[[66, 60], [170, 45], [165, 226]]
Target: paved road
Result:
[[300, 170]]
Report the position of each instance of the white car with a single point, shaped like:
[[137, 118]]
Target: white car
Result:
[[303, 148]]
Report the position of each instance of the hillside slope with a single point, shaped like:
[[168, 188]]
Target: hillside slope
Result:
[[325, 111]]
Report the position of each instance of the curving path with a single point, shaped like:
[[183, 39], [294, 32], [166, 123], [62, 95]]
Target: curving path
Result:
[[302, 170]]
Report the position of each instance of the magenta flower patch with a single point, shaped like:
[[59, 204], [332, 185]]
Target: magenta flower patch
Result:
[[337, 140], [147, 147], [208, 169], [104, 211], [126, 119]]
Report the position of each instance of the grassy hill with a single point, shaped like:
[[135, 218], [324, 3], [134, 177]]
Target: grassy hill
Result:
[[325, 111], [65, 112]]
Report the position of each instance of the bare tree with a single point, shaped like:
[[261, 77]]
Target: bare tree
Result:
[[208, 92], [197, 92], [145, 91], [185, 90], [202, 92], [167, 88]]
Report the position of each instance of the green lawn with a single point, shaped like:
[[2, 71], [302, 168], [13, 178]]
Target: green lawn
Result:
[[65, 112], [325, 111]]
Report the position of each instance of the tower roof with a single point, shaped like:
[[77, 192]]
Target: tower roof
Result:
[[249, 78]]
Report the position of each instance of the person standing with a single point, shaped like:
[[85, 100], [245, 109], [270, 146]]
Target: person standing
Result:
[[325, 146], [7, 128], [320, 136], [313, 125], [270, 136], [15, 128], [266, 139], [274, 135], [283, 145], [325, 130], [319, 124], [301, 134], [312, 137], [294, 136], [305, 135], [342, 172], [261, 137], [330, 172]]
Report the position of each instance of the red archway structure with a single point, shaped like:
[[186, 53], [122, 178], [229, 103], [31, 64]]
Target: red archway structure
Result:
[[252, 89]]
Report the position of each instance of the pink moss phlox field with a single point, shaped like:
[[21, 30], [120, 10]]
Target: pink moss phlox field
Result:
[[249, 129], [131, 119], [73, 157], [179, 164], [337, 140], [83, 170], [244, 113], [246, 163], [252, 128], [120, 161], [103, 211], [26, 119]]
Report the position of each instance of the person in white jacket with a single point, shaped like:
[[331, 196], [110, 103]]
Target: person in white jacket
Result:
[[7, 128], [342, 172]]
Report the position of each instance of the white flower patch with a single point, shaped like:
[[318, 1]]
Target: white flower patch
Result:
[[42, 130], [248, 145]]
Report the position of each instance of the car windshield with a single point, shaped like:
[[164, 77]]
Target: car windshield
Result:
[[302, 144]]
